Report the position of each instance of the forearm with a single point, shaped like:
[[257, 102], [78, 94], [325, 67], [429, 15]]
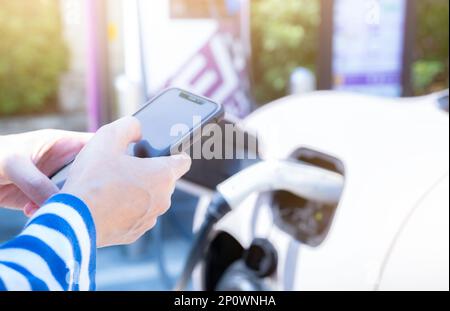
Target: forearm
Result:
[[55, 251]]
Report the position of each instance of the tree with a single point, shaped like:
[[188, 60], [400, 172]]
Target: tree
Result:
[[32, 55], [284, 36], [430, 69]]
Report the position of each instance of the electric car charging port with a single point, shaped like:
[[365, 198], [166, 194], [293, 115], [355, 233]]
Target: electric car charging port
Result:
[[312, 184], [306, 221]]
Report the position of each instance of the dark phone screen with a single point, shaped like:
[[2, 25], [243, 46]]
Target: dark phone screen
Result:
[[169, 117]]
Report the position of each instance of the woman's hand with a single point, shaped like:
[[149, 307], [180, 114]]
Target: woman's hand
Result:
[[26, 161], [125, 194]]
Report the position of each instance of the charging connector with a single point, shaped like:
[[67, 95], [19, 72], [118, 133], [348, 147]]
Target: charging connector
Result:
[[217, 209]]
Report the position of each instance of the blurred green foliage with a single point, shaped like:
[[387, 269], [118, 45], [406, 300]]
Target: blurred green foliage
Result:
[[284, 36], [32, 55], [430, 69]]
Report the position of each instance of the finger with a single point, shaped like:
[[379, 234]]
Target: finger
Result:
[[30, 180], [145, 226], [120, 134], [12, 197], [81, 137], [165, 206], [30, 208], [161, 207], [62, 152], [179, 164]]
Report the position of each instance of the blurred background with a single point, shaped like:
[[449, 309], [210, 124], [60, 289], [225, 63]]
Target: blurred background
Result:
[[78, 64]]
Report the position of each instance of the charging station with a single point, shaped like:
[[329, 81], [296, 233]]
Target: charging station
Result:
[[366, 46]]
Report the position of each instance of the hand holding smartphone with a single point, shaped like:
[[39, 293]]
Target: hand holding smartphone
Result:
[[171, 122]]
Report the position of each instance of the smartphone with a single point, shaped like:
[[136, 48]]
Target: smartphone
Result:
[[171, 122]]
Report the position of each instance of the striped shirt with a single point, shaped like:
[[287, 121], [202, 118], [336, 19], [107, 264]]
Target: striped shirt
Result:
[[55, 251]]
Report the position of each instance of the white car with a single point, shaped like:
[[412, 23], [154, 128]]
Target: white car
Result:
[[390, 229]]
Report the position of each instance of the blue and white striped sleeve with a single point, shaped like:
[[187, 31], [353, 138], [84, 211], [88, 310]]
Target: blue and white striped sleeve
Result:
[[55, 251]]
